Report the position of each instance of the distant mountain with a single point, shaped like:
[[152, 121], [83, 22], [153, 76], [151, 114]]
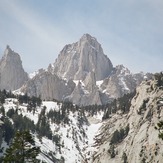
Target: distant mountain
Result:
[[82, 74], [77, 60], [93, 78], [12, 74], [48, 86], [122, 81]]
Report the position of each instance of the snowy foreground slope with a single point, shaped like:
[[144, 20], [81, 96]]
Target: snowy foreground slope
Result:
[[122, 131], [74, 139]]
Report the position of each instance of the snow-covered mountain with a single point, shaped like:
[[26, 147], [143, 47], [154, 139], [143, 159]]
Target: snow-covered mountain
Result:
[[67, 135], [122, 131], [84, 75]]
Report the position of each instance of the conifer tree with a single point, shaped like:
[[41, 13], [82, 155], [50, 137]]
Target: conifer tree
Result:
[[22, 150], [159, 127]]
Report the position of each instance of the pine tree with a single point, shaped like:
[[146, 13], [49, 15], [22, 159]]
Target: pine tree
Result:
[[159, 127], [22, 150]]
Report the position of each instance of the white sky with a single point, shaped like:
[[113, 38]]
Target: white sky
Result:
[[130, 31]]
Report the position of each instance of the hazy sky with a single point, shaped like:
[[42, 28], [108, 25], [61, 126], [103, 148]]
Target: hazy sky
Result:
[[130, 31]]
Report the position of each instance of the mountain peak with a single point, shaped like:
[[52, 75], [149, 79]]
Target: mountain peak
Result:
[[87, 37], [12, 73], [77, 60], [10, 55], [8, 50]]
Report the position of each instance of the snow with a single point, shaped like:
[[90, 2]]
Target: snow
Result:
[[33, 74], [4, 146], [45, 147], [75, 146], [98, 83], [77, 82], [91, 133], [51, 105], [122, 82]]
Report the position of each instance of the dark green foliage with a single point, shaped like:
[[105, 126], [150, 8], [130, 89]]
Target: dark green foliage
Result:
[[56, 138], [111, 151], [159, 127], [1, 159], [4, 94], [124, 158], [8, 130], [2, 97], [122, 103], [10, 113], [42, 126], [159, 78], [118, 136], [2, 110], [143, 107], [22, 149], [31, 101]]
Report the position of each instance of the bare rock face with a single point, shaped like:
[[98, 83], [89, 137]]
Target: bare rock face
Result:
[[141, 144], [48, 86], [122, 81], [77, 60], [12, 74], [90, 81]]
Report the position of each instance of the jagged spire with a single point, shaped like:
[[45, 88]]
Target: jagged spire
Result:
[[78, 59], [12, 73]]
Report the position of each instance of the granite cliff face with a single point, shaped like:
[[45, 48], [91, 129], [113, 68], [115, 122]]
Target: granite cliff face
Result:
[[122, 81], [82, 74], [48, 86], [141, 142], [79, 59], [12, 74], [93, 77]]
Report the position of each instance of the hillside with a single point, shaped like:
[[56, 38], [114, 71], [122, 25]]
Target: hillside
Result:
[[123, 130]]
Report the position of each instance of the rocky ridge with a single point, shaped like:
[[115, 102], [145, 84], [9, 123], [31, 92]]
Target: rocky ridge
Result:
[[79, 59], [141, 143], [82, 74], [84, 65], [12, 74], [85, 136]]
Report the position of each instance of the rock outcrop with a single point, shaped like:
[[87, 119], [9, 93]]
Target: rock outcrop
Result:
[[48, 86], [77, 60], [85, 64], [82, 62], [140, 143], [12, 74], [122, 81]]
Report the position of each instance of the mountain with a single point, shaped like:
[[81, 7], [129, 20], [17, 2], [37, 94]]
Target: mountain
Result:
[[93, 78], [132, 137], [12, 74], [121, 131], [122, 81], [48, 86], [77, 60], [82, 74]]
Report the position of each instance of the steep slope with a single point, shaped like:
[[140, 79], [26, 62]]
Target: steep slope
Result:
[[132, 137], [82, 74], [123, 131], [77, 60], [60, 129], [122, 81], [48, 86], [12, 74]]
